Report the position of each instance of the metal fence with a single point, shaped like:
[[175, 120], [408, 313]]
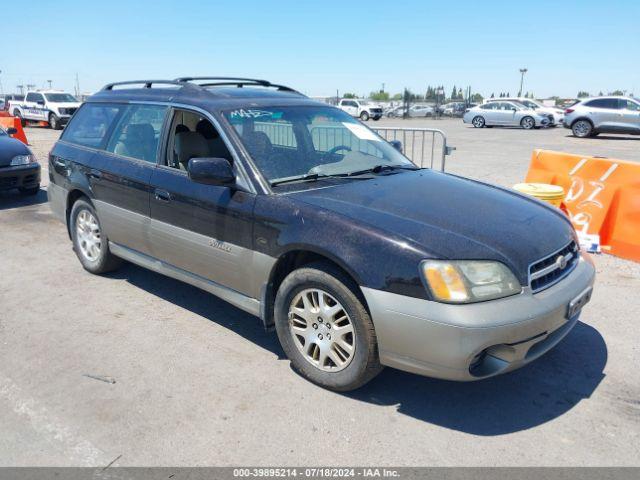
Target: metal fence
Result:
[[424, 146]]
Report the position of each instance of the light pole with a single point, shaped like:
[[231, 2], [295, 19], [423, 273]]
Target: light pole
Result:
[[522, 72], [49, 84]]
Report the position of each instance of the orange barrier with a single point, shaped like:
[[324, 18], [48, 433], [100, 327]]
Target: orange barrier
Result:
[[603, 196], [13, 122]]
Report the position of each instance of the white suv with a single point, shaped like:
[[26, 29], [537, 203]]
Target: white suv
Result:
[[603, 115], [361, 109], [51, 106]]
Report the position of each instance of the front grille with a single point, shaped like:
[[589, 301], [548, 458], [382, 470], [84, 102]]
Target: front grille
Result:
[[68, 111], [553, 268], [550, 117]]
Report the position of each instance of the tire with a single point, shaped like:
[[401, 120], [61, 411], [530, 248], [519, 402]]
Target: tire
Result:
[[29, 191], [314, 360], [17, 114], [54, 122], [478, 122], [582, 128], [528, 123], [364, 116], [101, 259], [375, 119]]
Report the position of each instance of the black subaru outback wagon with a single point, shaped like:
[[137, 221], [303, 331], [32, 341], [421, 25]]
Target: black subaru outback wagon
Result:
[[295, 212]]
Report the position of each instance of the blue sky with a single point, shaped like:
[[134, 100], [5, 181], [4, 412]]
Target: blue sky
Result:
[[318, 47]]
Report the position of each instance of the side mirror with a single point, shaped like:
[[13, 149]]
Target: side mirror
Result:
[[211, 171], [12, 131], [397, 144]]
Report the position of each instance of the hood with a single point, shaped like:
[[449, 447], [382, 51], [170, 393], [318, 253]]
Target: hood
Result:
[[66, 104], [9, 148], [451, 217]]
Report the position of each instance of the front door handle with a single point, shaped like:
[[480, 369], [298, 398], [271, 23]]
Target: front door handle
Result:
[[162, 195]]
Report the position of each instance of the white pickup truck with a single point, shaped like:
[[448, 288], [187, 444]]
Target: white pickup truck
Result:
[[361, 109], [51, 106]]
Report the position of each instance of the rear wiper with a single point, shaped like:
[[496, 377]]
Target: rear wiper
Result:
[[309, 177]]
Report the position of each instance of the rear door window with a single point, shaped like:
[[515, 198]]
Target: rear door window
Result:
[[603, 103], [91, 123], [137, 133]]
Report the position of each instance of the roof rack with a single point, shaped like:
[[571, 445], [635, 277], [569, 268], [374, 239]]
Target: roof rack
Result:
[[147, 83], [237, 81]]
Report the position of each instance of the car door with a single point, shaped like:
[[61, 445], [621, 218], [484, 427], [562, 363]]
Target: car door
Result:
[[604, 113], [122, 172], [350, 107], [204, 230], [33, 105], [630, 115]]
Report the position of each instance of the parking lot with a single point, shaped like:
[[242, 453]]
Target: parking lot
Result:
[[198, 382]]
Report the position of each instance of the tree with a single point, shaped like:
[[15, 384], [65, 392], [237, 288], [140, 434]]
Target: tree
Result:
[[617, 93], [508, 95], [601, 94], [454, 93], [460, 95], [477, 98], [349, 95], [397, 96], [379, 96], [493, 95], [583, 94]]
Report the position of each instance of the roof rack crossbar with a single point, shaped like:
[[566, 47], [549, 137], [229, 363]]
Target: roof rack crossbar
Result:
[[238, 81], [147, 83], [226, 80]]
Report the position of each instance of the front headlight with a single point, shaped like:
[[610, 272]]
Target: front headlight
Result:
[[468, 281], [22, 160]]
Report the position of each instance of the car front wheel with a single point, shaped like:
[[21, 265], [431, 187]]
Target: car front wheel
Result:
[[478, 122], [89, 242], [528, 123], [324, 328], [364, 116], [54, 122]]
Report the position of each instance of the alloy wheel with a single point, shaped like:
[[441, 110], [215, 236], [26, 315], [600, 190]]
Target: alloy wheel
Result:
[[322, 330], [88, 235], [582, 128]]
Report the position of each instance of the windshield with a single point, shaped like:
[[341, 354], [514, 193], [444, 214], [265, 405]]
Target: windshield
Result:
[[530, 104], [290, 142], [60, 97]]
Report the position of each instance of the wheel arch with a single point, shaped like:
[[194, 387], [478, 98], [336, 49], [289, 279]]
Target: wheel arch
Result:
[[293, 259], [72, 197], [573, 122]]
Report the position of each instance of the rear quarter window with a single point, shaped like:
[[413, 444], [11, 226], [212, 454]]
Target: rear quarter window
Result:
[[91, 123], [603, 103]]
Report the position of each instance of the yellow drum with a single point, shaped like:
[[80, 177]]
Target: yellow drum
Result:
[[553, 194]]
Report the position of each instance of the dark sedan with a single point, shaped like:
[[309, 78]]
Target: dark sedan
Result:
[[18, 165]]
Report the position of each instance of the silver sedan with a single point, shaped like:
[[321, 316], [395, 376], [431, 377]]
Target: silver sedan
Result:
[[511, 114]]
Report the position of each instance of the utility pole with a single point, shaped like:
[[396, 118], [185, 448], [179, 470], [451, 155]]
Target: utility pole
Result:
[[21, 88], [77, 86], [49, 81], [382, 91], [522, 72], [30, 86]]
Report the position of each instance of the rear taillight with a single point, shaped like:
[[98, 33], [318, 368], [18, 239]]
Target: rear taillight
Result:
[[568, 111]]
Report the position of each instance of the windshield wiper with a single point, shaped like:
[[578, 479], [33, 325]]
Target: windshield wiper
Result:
[[309, 177], [382, 168]]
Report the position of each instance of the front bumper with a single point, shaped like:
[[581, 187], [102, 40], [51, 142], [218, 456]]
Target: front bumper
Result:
[[21, 176], [474, 341]]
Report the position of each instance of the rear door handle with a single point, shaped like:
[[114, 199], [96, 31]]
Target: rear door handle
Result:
[[93, 173], [162, 195]]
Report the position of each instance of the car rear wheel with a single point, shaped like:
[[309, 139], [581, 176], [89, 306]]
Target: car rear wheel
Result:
[[54, 122], [324, 328], [582, 128], [364, 116], [478, 122], [528, 123], [89, 242]]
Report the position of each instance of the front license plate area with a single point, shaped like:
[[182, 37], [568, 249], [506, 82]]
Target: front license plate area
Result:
[[577, 303]]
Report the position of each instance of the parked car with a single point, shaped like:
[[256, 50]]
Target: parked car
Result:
[[416, 111], [555, 115], [297, 213], [395, 112], [18, 165], [362, 109], [454, 109], [604, 115], [51, 106], [504, 114]]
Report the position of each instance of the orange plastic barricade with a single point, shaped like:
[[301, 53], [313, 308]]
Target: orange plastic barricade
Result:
[[602, 196], [13, 122]]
